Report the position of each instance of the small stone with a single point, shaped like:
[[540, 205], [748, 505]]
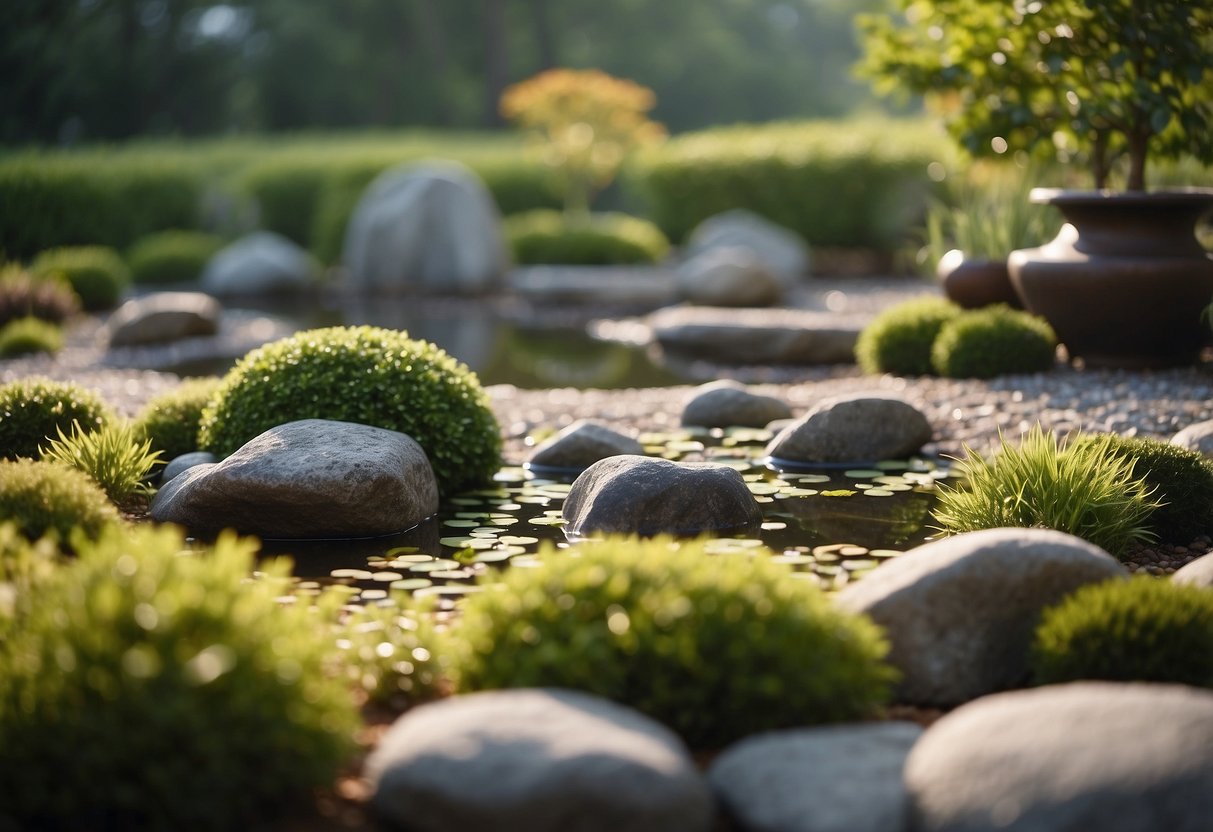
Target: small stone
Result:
[[726, 403], [1198, 572], [180, 464], [851, 429], [580, 445]]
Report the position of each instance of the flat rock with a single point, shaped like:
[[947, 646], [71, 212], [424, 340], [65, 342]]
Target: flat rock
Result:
[[758, 336], [636, 287], [535, 760], [783, 251], [726, 403], [960, 612], [1089, 755], [648, 496], [1197, 573], [841, 778], [312, 478], [728, 276], [180, 464], [430, 225], [852, 428], [162, 317], [1196, 437], [580, 445], [261, 263]]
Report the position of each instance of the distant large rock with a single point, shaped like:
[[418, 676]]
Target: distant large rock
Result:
[[431, 226], [783, 251], [163, 317], [312, 478], [728, 276], [757, 336], [261, 263]]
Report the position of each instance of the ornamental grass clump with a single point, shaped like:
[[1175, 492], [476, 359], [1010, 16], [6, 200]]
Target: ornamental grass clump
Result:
[[993, 341], [96, 273], [367, 375], [546, 236], [900, 339], [33, 410], [171, 420], [144, 687], [1144, 629], [114, 456], [717, 647], [22, 296], [1081, 488], [26, 336], [44, 498], [173, 256]]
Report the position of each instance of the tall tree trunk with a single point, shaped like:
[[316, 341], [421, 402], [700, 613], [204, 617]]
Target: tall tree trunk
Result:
[[1139, 148], [1099, 159], [542, 21], [433, 34], [496, 59]]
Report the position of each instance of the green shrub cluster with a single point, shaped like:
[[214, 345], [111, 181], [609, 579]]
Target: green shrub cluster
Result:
[[173, 256], [22, 296], [1140, 630], [1083, 488], [901, 338], [53, 200], [547, 236], [715, 646], [96, 273], [1179, 478], [145, 688], [24, 336], [391, 652], [994, 341], [368, 375], [171, 420], [836, 183], [45, 498], [115, 456], [24, 564], [34, 409]]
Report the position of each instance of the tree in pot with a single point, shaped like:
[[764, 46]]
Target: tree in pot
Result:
[[1106, 82]]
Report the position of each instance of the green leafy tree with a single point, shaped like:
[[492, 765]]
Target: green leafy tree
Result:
[[1093, 79]]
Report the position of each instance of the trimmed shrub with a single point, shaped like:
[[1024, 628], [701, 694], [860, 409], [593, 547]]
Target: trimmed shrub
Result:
[[368, 375], [835, 183], [599, 239], [145, 688], [24, 564], [29, 335], [170, 421], [391, 652], [96, 273], [1082, 488], [1140, 630], [171, 256], [114, 456], [34, 409], [715, 646], [993, 341], [900, 340], [1181, 479], [21, 296], [45, 498]]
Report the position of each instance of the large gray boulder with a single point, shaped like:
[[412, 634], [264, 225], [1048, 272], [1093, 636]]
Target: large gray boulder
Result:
[[163, 317], [798, 337], [535, 760], [841, 778], [580, 445], [648, 496], [960, 613], [851, 428], [1090, 755], [783, 251], [431, 226], [1197, 573], [1196, 437], [728, 276], [261, 263], [312, 478], [727, 403]]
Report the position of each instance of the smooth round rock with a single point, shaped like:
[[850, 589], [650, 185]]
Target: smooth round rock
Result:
[[864, 427], [535, 760], [728, 276], [1197, 573], [782, 250], [647, 496], [1196, 437], [580, 445], [180, 464], [841, 778], [261, 263], [1084, 756], [163, 317], [960, 613], [726, 403]]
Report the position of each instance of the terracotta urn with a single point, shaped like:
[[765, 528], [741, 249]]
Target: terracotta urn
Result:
[[1125, 281], [974, 282]]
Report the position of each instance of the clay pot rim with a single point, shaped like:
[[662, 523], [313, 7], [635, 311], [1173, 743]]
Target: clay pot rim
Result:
[[1062, 196]]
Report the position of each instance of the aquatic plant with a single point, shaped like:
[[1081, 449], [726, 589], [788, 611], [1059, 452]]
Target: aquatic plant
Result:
[[34, 409]]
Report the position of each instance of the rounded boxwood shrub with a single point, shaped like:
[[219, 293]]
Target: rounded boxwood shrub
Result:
[[171, 419], [900, 339], [46, 498], [1179, 478], [22, 296], [545, 236], [146, 688], [368, 375], [96, 273], [994, 341], [34, 410], [24, 336], [171, 256], [715, 646], [1143, 629]]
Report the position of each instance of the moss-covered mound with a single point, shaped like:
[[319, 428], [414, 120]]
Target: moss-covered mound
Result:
[[34, 410]]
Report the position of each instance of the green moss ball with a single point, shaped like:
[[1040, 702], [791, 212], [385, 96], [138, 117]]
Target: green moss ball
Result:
[[44, 498], [171, 419], [993, 341], [33, 411], [367, 375], [899, 340], [545, 236], [25, 336], [96, 273]]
